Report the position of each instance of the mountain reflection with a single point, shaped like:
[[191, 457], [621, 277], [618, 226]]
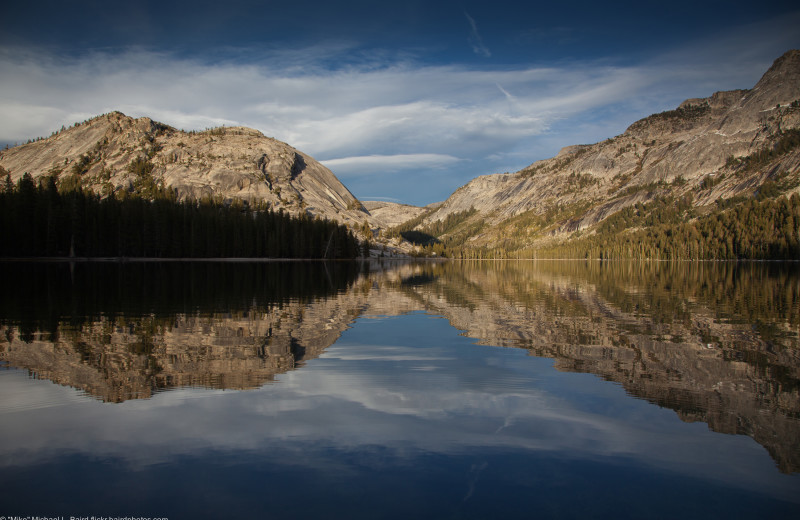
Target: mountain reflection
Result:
[[124, 331], [716, 342]]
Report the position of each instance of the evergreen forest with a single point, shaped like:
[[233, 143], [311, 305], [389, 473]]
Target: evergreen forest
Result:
[[669, 229], [43, 220], [665, 228]]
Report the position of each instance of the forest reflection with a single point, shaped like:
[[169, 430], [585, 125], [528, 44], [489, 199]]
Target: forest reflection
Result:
[[717, 342], [123, 331]]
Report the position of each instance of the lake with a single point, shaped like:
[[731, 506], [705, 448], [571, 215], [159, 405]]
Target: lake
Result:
[[536, 389]]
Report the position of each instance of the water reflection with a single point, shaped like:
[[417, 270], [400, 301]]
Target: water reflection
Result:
[[124, 331], [715, 342]]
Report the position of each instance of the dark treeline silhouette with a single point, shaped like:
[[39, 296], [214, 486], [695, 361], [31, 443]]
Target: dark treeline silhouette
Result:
[[41, 221], [43, 296]]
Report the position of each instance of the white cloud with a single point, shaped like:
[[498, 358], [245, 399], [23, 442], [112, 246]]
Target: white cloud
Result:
[[404, 109], [399, 110], [388, 163]]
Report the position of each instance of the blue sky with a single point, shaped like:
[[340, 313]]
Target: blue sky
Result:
[[404, 101]]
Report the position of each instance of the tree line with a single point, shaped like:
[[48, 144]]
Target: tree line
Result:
[[440, 237], [767, 229], [41, 220], [670, 228]]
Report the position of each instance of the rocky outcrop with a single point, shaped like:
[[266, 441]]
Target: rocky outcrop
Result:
[[391, 214]]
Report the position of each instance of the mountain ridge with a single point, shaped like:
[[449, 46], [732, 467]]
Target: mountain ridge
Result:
[[114, 153], [701, 149]]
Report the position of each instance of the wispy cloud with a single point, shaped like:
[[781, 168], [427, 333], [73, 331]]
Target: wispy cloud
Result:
[[475, 39], [389, 163], [505, 93], [400, 109]]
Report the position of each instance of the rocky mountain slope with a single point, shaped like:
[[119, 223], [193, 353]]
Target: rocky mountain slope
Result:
[[390, 214], [711, 149], [114, 152]]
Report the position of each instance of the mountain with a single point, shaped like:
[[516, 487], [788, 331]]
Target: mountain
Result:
[[707, 154], [114, 152], [391, 214]]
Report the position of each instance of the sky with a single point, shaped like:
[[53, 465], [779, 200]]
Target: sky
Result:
[[404, 101]]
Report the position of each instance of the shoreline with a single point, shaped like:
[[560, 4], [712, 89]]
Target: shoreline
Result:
[[123, 260]]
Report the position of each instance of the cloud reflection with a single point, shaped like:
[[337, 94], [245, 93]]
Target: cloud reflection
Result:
[[361, 394]]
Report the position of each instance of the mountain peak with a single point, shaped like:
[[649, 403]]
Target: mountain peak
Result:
[[789, 60], [785, 68]]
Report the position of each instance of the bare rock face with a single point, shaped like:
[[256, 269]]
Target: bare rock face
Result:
[[114, 152], [390, 214], [673, 152]]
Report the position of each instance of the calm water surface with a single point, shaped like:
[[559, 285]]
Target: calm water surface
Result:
[[440, 390]]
